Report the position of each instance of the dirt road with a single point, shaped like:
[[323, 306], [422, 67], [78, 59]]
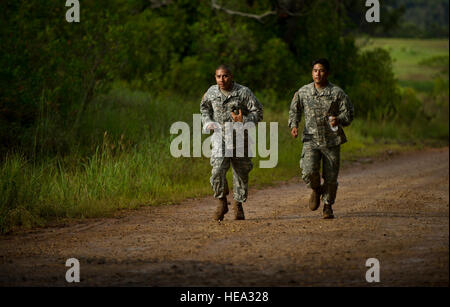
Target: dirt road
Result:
[[394, 209]]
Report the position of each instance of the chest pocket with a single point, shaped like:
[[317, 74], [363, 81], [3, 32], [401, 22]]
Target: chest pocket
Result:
[[325, 106], [316, 106]]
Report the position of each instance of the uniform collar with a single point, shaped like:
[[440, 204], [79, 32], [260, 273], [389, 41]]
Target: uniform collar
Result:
[[325, 92], [233, 91]]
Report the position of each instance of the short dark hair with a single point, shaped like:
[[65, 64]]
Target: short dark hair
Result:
[[322, 61], [224, 67]]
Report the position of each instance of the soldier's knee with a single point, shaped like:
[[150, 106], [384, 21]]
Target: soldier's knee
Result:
[[243, 167]]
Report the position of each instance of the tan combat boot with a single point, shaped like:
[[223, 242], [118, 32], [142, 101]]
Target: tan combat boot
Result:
[[327, 212], [221, 210], [238, 211], [314, 199]]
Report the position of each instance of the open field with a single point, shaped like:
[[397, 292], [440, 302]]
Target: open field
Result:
[[409, 55]]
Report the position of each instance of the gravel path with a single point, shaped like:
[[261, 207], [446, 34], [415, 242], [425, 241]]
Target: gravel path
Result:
[[395, 209]]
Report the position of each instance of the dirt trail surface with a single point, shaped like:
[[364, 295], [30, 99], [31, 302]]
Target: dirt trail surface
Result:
[[395, 209]]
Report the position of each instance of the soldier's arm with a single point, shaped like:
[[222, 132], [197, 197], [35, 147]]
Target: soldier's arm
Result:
[[207, 111], [295, 111], [255, 109], [346, 110]]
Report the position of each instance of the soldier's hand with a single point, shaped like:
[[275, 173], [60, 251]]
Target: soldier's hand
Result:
[[334, 121], [294, 132], [237, 118]]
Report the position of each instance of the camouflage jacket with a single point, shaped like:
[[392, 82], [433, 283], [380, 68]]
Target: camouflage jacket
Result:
[[216, 107], [317, 106]]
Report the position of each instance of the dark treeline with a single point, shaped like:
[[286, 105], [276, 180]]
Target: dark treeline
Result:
[[408, 18], [416, 19], [52, 70]]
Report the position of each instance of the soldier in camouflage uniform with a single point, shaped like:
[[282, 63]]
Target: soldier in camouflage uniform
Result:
[[217, 108], [327, 109]]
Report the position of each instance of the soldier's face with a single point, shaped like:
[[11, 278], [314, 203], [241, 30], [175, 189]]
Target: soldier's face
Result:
[[319, 74], [224, 79]]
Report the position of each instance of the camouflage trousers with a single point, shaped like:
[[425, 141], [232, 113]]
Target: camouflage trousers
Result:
[[310, 164], [241, 168]]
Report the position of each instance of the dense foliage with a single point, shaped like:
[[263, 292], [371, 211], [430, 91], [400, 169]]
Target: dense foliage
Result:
[[421, 18]]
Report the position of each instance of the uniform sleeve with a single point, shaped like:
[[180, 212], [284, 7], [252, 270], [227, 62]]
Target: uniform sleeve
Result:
[[206, 110], [346, 110], [295, 112], [255, 109]]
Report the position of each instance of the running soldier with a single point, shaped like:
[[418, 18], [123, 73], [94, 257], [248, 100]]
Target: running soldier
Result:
[[229, 102], [326, 109]]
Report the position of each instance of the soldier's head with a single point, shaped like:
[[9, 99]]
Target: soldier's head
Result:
[[320, 71], [224, 77]]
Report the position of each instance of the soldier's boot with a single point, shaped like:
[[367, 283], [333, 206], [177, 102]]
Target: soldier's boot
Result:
[[221, 210], [327, 212], [314, 199], [238, 211]]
